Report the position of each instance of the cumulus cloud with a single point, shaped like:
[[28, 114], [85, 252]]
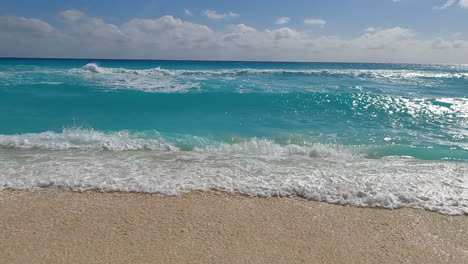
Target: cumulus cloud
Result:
[[168, 37], [315, 21], [386, 39], [282, 20], [79, 23], [19, 25], [27, 37], [212, 14]]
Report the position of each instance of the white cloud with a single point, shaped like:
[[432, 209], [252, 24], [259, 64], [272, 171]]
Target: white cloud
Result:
[[167, 37], [463, 3], [388, 39], [80, 23], [167, 33], [282, 20], [315, 21], [447, 4], [212, 14], [24, 25]]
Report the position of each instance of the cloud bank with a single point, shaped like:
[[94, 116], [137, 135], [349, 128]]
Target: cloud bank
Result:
[[82, 36]]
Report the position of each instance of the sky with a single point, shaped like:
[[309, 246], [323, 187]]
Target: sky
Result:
[[407, 31]]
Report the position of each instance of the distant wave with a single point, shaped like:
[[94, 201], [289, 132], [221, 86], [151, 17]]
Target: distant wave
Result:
[[94, 68], [391, 74]]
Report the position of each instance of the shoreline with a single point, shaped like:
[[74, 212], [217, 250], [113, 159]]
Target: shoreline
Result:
[[52, 188], [57, 226]]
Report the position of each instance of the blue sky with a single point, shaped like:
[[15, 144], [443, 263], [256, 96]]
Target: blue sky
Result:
[[441, 21]]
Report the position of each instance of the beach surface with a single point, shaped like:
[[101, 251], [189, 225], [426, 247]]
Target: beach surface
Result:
[[57, 226]]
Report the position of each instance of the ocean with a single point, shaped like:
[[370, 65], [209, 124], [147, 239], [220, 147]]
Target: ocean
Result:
[[372, 135]]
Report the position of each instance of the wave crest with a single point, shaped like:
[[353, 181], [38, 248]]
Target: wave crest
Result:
[[88, 139], [378, 73], [94, 68], [84, 139]]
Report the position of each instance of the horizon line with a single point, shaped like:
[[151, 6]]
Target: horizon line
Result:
[[208, 60]]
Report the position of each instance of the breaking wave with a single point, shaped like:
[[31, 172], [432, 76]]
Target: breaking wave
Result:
[[81, 160], [89, 139], [391, 74]]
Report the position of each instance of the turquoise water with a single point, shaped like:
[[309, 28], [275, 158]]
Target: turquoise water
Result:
[[389, 109], [295, 117]]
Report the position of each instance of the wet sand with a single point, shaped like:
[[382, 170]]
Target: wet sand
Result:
[[56, 226]]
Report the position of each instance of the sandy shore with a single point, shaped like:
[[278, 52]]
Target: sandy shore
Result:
[[53, 226]]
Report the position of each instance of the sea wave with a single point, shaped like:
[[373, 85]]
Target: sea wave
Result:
[[89, 139], [84, 139], [255, 167], [377, 73], [158, 80], [286, 146]]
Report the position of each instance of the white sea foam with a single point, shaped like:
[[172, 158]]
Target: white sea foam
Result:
[[378, 73], [52, 83], [75, 159], [84, 139], [164, 80], [152, 80], [264, 147], [159, 80], [88, 139], [92, 67]]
